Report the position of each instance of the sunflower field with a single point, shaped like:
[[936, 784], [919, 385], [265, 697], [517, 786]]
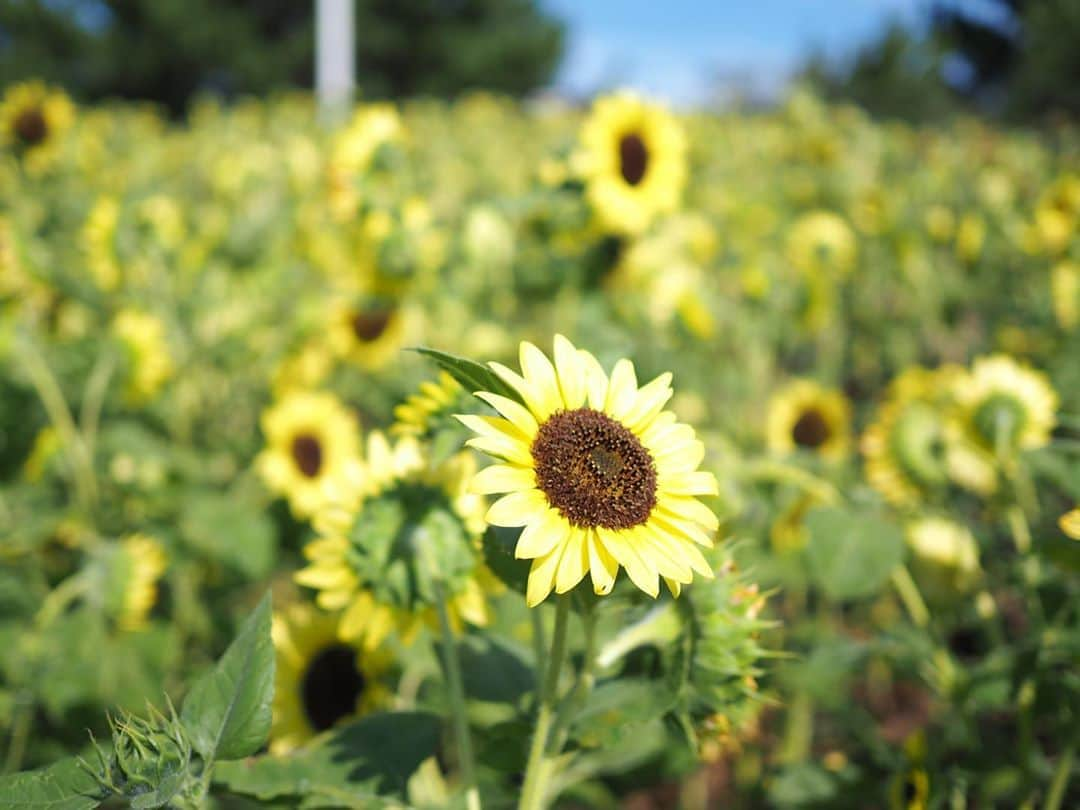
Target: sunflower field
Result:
[[489, 455]]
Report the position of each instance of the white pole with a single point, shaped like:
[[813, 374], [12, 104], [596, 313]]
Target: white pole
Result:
[[335, 62]]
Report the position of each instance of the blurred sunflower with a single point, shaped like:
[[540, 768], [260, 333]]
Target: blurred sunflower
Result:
[[369, 332], [33, 119], [420, 412], [633, 160], [99, 243], [133, 567], [401, 532], [312, 439], [1065, 293], [806, 416], [143, 334], [320, 680], [946, 550], [1070, 523], [598, 474], [1006, 406], [905, 446], [821, 242], [910, 790]]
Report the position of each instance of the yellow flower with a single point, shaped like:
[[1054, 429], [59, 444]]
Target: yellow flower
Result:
[[1070, 523], [805, 415], [403, 499], [33, 119], [304, 369], [821, 242], [372, 126], [599, 475], [905, 446], [137, 566], [151, 364], [99, 243], [1005, 405], [312, 441], [319, 680], [633, 160], [946, 547], [970, 237], [369, 333]]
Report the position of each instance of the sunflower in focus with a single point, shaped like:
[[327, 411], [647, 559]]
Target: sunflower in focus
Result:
[[319, 680], [396, 535], [633, 160], [821, 243], [33, 119], [906, 447], [152, 366], [599, 475], [806, 416], [1006, 406], [312, 441], [369, 332]]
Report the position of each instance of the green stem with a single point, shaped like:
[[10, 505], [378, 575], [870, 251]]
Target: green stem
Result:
[[910, 595], [585, 681], [533, 789], [20, 733], [97, 386], [1060, 780], [457, 702], [1018, 525], [777, 471], [800, 730]]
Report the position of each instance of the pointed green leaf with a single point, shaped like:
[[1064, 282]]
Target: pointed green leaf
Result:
[[851, 555], [472, 376], [227, 711], [65, 785]]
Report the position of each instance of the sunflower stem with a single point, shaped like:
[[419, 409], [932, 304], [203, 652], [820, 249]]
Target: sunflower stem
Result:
[[533, 790], [457, 702], [1060, 780], [910, 595]]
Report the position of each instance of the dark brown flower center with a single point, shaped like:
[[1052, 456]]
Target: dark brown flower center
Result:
[[594, 470], [31, 126], [332, 683], [370, 324], [811, 430], [633, 158], [307, 453]]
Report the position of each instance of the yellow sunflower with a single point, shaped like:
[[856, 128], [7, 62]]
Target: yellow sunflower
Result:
[[906, 447], [1070, 523], [33, 118], [821, 242], [312, 441], [374, 531], [806, 416], [369, 333], [1005, 405], [599, 475], [633, 160], [320, 680], [143, 334]]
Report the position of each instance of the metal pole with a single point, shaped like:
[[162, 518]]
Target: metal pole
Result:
[[335, 62]]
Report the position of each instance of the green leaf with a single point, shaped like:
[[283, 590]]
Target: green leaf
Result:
[[65, 785], [851, 555], [227, 711], [472, 376], [493, 671], [617, 710], [234, 533], [498, 546], [375, 755]]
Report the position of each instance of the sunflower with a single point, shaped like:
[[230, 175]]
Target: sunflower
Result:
[[633, 160], [312, 440], [821, 242], [905, 447], [946, 549], [319, 680], [1006, 406], [152, 366], [598, 474], [807, 416], [1069, 523], [383, 533], [369, 332], [133, 567], [33, 119]]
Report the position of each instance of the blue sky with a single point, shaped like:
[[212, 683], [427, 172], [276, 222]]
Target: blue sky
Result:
[[677, 49]]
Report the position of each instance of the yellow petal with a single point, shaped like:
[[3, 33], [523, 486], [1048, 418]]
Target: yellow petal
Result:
[[622, 390], [602, 566], [649, 401], [596, 381], [674, 586], [502, 478], [325, 576], [539, 538], [517, 508], [574, 562], [571, 372], [540, 375], [517, 413], [697, 482], [621, 547], [534, 399], [354, 621], [542, 577], [687, 508]]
